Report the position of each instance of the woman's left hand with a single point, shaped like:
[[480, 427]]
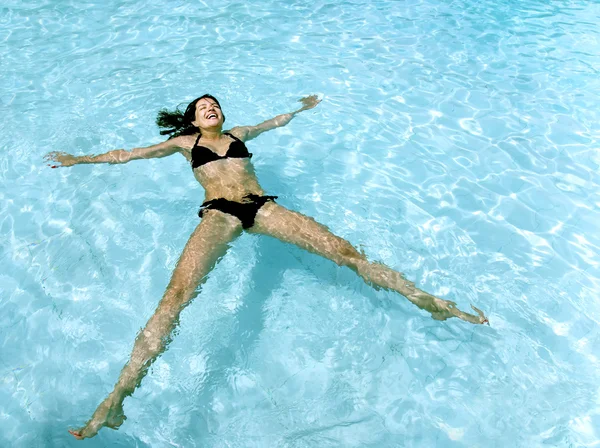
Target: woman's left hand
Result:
[[308, 102]]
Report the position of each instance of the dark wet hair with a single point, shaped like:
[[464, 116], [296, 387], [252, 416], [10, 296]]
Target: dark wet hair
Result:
[[175, 123]]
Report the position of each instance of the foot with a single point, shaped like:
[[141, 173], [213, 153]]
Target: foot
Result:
[[107, 414], [444, 309]]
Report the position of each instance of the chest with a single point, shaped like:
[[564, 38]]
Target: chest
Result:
[[201, 155]]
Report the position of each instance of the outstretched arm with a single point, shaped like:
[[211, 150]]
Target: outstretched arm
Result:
[[246, 133], [116, 156]]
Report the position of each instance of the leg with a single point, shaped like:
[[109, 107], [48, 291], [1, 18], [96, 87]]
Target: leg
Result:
[[305, 232], [208, 243]]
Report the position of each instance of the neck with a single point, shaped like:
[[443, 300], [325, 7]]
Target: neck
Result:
[[211, 134]]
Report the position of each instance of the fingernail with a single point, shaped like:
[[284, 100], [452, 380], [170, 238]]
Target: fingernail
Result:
[[53, 166]]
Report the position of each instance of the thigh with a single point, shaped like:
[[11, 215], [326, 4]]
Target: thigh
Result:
[[293, 227], [207, 244]]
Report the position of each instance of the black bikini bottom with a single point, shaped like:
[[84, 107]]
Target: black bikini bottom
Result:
[[244, 211]]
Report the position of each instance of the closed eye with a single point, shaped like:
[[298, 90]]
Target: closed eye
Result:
[[204, 106]]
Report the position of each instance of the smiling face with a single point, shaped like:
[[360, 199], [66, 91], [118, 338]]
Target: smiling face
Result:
[[208, 114]]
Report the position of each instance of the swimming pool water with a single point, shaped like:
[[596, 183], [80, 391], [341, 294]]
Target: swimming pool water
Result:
[[456, 142]]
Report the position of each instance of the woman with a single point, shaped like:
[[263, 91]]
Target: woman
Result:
[[234, 202]]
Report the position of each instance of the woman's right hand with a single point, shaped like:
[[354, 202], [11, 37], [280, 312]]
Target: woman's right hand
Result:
[[63, 158]]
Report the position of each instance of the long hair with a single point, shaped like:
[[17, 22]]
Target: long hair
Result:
[[177, 122]]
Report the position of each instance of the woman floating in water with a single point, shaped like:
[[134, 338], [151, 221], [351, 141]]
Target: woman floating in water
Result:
[[234, 202]]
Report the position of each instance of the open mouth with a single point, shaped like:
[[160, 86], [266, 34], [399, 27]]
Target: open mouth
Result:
[[212, 116]]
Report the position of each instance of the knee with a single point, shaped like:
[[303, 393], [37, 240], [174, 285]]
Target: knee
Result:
[[349, 256], [177, 295]]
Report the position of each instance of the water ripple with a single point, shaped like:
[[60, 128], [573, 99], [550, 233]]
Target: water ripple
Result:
[[456, 142]]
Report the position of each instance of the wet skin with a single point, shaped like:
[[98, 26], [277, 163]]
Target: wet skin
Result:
[[231, 179]]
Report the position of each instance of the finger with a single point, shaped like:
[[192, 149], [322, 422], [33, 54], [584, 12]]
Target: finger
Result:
[[55, 155]]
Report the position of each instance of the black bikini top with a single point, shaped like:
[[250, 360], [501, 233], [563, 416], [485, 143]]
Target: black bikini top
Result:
[[202, 155]]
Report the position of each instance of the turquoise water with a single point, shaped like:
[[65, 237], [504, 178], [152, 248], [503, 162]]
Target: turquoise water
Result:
[[457, 142]]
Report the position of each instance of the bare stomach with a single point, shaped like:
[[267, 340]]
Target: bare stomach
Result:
[[230, 179]]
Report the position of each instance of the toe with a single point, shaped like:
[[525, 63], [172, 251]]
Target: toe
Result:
[[75, 433]]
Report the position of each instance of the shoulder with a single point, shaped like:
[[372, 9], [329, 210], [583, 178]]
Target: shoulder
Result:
[[183, 141], [240, 132]]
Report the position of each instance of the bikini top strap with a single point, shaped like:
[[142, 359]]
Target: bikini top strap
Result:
[[232, 136], [198, 139]]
